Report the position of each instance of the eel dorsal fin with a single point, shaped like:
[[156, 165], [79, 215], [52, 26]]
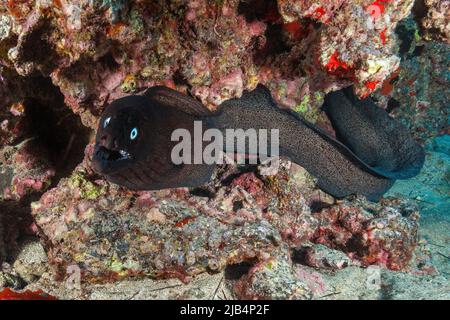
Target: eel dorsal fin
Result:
[[260, 96], [173, 99]]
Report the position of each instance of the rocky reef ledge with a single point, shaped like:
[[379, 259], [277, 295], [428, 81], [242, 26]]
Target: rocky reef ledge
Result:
[[67, 233]]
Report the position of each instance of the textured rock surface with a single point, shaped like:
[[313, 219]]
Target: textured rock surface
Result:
[[418, 93], [320, 256], [112, 232], [435, 19], [217, 49], [62, 61], [349, 283], [31, 262], [273, 279]]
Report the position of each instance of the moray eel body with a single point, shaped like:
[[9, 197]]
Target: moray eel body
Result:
[[134, 141]]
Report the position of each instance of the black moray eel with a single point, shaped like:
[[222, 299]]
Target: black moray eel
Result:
[[133, 142]]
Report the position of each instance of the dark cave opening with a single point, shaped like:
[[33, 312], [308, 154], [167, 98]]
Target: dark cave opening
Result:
[[299, 255], [317, 205], [238, 270], [108, 62], [277, 40], [37, 47], [59, 138], [274, 46], [258, 9], [59, 130]]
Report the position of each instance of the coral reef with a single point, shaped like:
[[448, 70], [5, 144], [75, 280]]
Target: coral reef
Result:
[[372, 233], [95, 56], [24, 170], [110, 232], [434, 19], [62, 62], [323, 257], [272, 279], [168, 232], [417, 93]]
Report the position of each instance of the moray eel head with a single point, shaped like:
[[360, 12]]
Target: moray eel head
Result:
[[119, 139]]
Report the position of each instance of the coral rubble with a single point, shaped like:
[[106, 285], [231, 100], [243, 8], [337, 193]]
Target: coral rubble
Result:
[[112, 232]]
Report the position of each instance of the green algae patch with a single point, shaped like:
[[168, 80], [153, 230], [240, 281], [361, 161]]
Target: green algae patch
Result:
[[136, 22], [309, 107], [115, 265], [88, 190], [269, 266], [417, 36], [303, 106]]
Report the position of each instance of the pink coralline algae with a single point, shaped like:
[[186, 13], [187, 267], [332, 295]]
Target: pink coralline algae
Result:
[[62, 62], [244, 217], [371, 233], [13, 125], [24, 170], [322, 11], [272, 279], [213, 49]]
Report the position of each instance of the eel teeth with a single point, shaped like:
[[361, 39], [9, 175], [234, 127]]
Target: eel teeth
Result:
[[124, 154]]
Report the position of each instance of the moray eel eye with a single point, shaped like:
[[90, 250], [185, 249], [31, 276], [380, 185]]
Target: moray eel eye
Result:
[[106, 122], [133, 133]]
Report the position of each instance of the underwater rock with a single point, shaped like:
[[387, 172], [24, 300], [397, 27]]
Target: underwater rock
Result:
[[418, 92], [372, 233], [14, 124], [89, 53], [361, 53], [322, 11], [273, 279], [320, 256], [12, 226], [31, 261], [24, 169], [216, 49], [434, 19], [113, 233]]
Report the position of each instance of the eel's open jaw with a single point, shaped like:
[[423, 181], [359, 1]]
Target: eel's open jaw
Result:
[[112, 155], [106, 160]]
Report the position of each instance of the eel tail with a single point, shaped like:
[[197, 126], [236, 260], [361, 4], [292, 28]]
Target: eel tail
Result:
[[342, 167]]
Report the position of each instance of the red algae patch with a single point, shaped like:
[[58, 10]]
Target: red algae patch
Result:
[[8, 294]]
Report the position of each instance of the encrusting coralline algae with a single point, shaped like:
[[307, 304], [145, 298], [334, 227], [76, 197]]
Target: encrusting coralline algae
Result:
[[69, 58]]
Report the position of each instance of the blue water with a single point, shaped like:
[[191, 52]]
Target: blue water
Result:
[[431, 188]]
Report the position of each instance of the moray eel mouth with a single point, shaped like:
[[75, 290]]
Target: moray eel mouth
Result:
[[107, 161]]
